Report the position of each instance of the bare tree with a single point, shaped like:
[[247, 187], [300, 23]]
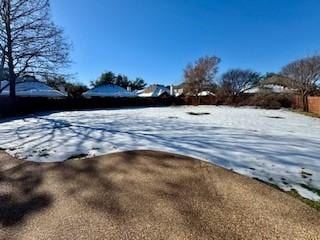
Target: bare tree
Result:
[[30, 42], [200, 75], [305, 75], [237, 81], [277, 79]]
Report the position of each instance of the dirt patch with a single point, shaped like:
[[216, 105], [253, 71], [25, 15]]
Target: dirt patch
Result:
[[79, 156], [198, 114], [305, 174], [275, 117]]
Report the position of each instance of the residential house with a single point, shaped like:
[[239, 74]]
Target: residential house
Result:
[[274, 84], [108, 90], [28, 86], [154, 91]]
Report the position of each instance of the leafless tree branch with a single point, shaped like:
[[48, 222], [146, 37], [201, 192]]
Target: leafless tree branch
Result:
[[33, 43], [305, 76], [237, 81], [200, 75]]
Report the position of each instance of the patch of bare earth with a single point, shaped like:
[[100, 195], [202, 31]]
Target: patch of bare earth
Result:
[[144, 195]]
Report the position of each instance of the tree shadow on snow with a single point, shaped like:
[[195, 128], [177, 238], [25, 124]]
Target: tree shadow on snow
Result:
[[229, 147]]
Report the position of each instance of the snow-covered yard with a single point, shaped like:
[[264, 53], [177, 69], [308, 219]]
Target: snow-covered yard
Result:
[[280, 147]]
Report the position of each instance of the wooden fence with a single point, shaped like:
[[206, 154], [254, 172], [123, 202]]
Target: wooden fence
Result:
[[31, 105], [38, 104], [204, 100], [313, 104]]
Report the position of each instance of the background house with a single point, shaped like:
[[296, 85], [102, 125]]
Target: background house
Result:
[[274, 84], [28, 86], [109, 90], [206, 93], [154, 91], [273, 88]]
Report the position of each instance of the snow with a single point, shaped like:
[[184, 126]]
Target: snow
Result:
[[32, 89], [206, 93], [109, 90], [277, 146], [270, 87]]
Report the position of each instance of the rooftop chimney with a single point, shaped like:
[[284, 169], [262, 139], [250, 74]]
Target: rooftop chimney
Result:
[[171, 90]]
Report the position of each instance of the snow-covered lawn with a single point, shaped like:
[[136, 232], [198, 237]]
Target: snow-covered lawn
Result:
[[280, 147]]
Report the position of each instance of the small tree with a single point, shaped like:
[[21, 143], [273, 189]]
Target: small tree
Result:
[[137, 84], [236, 82], [105, 78], [120, 80], [305, 76], [56, 82], [74, 90], [29, 41], [200, 75]]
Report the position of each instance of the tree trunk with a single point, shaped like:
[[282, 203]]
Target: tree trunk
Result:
[[12, 84], [2, 66], [305, 102], [12, 76], [234, 99]]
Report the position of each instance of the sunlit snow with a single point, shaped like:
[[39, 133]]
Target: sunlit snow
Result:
[[277, 146]]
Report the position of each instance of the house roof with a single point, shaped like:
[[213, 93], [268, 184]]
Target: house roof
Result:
[[109, 90], [154, 91], [201, 94], [31, 88], [276, 84], [278, 80], [206, 93]]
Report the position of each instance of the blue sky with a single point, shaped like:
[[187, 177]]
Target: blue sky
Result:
[[155, 39]]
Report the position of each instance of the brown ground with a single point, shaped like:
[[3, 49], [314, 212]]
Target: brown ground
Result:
[[144, 195]]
